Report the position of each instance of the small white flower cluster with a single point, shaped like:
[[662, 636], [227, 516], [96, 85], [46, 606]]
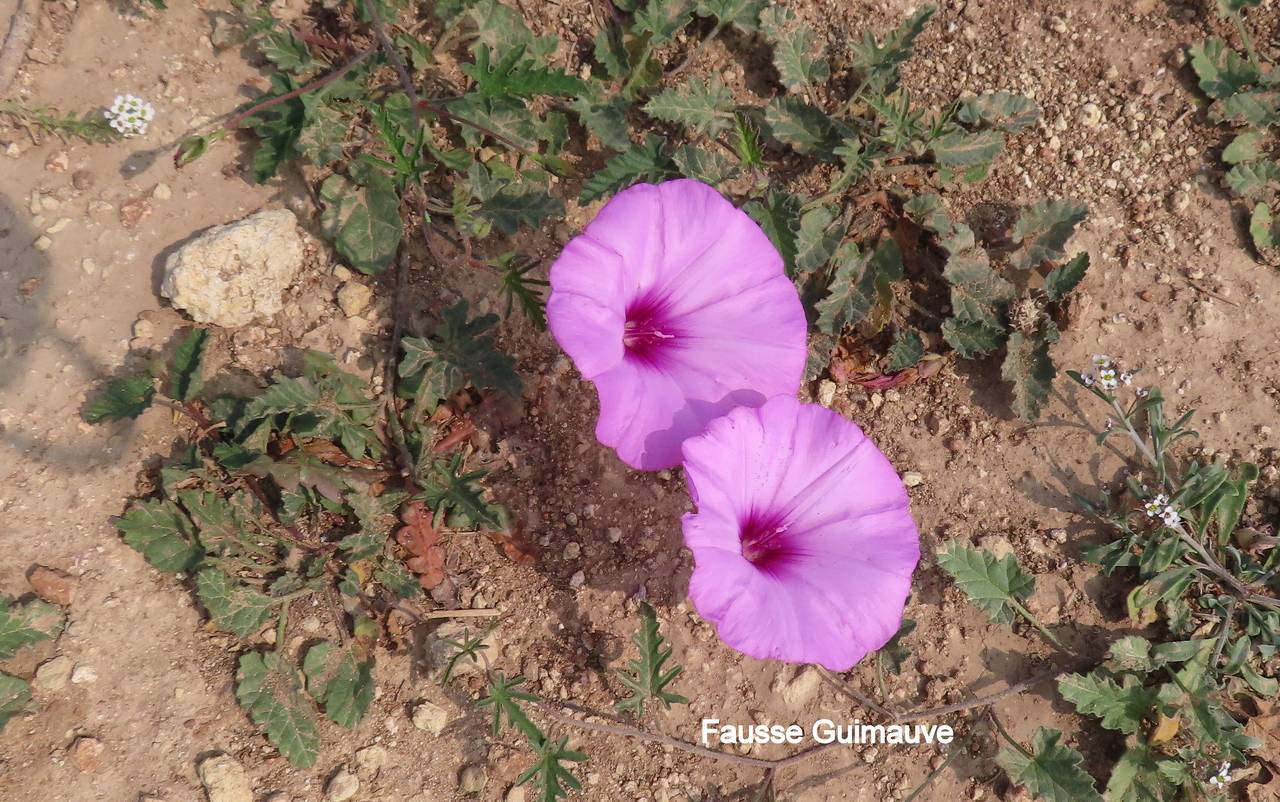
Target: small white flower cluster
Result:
[[130, 115], [1108, 376], [1160, 507], [1223, 776]]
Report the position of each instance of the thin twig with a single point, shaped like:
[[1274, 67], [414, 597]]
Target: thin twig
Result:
[[987, 701], [697, 51], [845, 688], [1209, 292], [318, 83], [22, 28]]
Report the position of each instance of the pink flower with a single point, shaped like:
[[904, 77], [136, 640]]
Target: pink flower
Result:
[[803, 543], [675, 304]]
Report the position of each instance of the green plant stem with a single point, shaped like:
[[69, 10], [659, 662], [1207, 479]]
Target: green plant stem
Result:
[[1012, 741], [1238, 19], [318, 83], [1035, 622], [697, 51], [952, 754], [1137, 439], [625, 90]]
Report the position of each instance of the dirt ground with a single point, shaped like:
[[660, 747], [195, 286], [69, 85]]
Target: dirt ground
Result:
[[1172, 291]]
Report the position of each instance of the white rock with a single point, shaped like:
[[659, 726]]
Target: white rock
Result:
[[84, 675], [370, 759], [162, 192], [578, 579], [913, 478], [342, 787], [43, 243], [516, 794], [224, 779], [53, 674], [354, 298], [89, 266], [233, 275], [430, 717], [826, 392], [797, 693]]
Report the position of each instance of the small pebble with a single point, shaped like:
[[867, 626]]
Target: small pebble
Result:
[[342, 786], [84, 675], [913, 478]]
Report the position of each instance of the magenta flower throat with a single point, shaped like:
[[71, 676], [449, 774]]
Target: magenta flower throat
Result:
[[803, 543], [674, 303]]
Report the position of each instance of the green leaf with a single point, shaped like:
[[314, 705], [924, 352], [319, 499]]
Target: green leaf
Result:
[[509, 118], [776, 215], [286, 51], [233, 607], [639, 163], [279, 129], [607, 119], [907, 350], [1136, 777], [499, 27], [267, 688], [817, 239], [363, 222], [26, 623], [793, 46], [1043, 231], [185, 378], [15, 695], [550, 779], [191, 148], [505, 697], [1264, 228], [741, 14], [879, 64], [1052, 772], [446, 488], [1254, 178], [1029, 369], [1250, 108], [746, 141], [1002, 110], [1222, 71], [1245, 147], [805, 128], [523, 204], [978, 293], [1121, 707], [972, 338], [1229, 7], [1062, 280], [997, 586], [458, 354], [124, 398], [1130, 653], [961, 148], [516, 76], [893, 654], [663, 19], [862, 288], [701, 164], [162, 533], [341, 680], [648, 677], [705, 107], [322, 139]]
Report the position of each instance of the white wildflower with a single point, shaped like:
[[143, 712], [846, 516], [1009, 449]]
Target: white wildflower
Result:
[[1101, 361], [1107, 379], [1142, 392], [1086, 379], [1156, 505], [130, 115], [1223, 776], [1126, 378], [1170, 516]]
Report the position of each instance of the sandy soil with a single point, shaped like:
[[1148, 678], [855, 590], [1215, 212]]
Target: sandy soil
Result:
[[1172, 290]]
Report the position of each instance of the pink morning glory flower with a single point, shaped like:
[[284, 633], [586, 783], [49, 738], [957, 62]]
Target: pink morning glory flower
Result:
[[803, 542], [674, 303]]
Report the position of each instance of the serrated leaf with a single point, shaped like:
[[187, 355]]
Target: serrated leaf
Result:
[[26, 623], [701, 164], [514, 75], [972, 338], [705, 107], [279, 129], [1245, 147], [1130, 653], [978, 293], [447, 488], [1222, 71], [162, 533], [961, 148], [1136, 777], [817, 239], [741, 14], [776, 215], [644, 162], [341, 680], [879, 64], [395, 577], [232, 606], [124, 398], [323, 136], [607, 119], [363, 222], [861, 289], [1121, 707], [1052, 772], [648, 678], [219, 525], [550, 779], [459, 353], [267, 689], [1029, 369], [805, 128], [523, 204], [499, 26], [793, 49], [893, 654], [1264, 228], [1043, 231], [663, 19], [1256, 107], [1002, 110], [1253, 178], [15, 695], [906, 352], [997, 586], [1062, 280], [282, 48], [185, 378]]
